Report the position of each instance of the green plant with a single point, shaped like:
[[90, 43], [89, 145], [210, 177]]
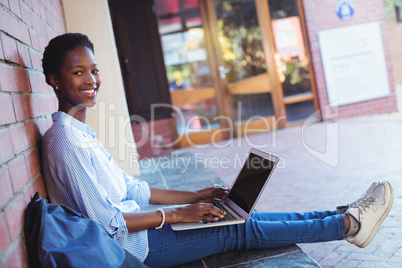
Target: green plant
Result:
[[389, 6]]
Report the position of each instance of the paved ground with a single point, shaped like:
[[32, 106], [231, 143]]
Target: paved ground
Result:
[[324, 165]]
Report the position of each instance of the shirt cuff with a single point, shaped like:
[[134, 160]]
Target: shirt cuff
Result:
[[147, 194], [118, 225]]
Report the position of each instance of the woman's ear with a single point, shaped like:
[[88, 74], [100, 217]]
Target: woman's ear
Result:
[[54, 81]]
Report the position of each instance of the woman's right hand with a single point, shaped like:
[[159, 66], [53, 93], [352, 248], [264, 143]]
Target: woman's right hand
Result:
[[192, 213], [197, 212]]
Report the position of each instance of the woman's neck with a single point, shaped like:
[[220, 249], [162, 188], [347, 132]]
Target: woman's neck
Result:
[[78, 113]]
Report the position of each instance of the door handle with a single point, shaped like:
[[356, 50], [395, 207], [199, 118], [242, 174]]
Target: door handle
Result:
[[127, 65], [222, 72]]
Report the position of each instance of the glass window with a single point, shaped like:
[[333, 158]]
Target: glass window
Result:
[[183, 44], [186, 62], [291, 57], [240, 39]]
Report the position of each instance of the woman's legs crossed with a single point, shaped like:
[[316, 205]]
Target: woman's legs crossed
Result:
[[261, 231]]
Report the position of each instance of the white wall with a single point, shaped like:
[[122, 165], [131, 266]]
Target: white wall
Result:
[[110, 117]]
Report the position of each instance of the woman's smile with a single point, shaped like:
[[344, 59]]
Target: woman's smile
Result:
[[91, 93]]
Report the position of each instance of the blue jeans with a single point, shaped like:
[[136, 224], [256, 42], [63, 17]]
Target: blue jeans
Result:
[[263, 230]]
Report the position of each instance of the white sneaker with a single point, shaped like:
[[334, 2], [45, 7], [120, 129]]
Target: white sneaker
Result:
[[370, 212], [342, 209]]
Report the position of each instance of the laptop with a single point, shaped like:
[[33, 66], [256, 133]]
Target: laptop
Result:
[[244, 193]]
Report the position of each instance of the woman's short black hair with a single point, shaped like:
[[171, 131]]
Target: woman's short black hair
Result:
[[58, 48]]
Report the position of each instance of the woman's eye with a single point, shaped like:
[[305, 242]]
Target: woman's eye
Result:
[[95, 71], [78, 72]]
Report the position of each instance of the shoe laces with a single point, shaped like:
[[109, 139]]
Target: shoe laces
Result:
[[365, 203], [357, 202]]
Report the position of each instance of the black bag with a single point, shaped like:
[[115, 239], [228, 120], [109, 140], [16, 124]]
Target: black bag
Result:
[[58, 236]]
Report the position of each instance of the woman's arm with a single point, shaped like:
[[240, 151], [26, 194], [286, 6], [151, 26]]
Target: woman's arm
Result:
[[193, 213], [170, 197], [198, 211]]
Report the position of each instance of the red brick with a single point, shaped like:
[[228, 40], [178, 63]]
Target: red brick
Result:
[[1, 50], [21, 107], [42, 11], [35, 6], [44, 102], [36, 109], [36, 59], [19, 138], [43, 42], [10, 49], [5, 189], [18, 172], [6, 151], [37, 186], [49, 121], [5, 3], [33, 163], [17, 257], [6, 109], [50, 21], [26, 14], [31, 190], [38, 24], [3, 21], [13, 79], [29, 3], [58, 9], [5, 236], [34, 39], [43, 126], [34, 137], [11, 24], [38, 82], [15, 216], [25, 58], [49, 104], [56, 103], [24, 33], [15, 7]]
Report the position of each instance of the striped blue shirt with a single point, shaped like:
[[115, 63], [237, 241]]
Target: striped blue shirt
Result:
[[81, 174]]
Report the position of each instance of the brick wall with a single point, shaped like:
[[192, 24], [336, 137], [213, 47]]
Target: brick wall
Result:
[[26, 104], [395, 40], [320, 15]]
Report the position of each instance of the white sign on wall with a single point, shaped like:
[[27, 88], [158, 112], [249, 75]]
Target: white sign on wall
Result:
[[354, 63]]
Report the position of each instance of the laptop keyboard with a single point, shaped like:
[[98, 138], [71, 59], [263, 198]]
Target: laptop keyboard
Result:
[[229, 216]]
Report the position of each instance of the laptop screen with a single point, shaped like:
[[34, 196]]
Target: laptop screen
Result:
[[250, 180]]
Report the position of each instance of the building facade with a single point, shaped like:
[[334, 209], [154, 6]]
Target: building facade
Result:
[[278, 83], [236, 68]]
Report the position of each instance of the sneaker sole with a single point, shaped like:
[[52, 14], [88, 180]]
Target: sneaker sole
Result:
[[378, 224]]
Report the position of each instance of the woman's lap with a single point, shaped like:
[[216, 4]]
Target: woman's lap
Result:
[[262, 231]]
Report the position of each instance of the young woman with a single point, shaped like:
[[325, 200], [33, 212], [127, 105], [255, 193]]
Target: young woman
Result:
[[81, 174]]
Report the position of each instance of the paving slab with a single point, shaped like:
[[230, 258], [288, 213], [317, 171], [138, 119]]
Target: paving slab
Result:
[[323, 165]]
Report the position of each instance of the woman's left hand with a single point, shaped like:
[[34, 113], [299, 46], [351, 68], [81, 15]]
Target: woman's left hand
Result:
[[213, 193]]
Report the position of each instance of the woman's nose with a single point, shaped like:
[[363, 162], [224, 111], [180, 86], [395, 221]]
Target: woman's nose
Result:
[[90, 79]]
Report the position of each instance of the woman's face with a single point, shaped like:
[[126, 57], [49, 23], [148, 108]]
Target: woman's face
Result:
[[78, 81]]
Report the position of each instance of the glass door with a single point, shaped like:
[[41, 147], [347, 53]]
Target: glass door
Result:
[[292, 59], [188, 68], [235, 67], [244, 65]]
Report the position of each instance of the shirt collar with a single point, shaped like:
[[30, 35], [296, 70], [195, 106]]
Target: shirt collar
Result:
[[66, 119]]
